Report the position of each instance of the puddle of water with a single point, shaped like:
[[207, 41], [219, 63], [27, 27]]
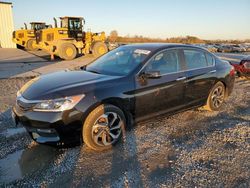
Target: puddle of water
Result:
[[9, 167], [12, 131], [25, 162]]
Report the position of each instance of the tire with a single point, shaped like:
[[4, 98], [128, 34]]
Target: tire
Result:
[[238, 74], [99, 48], [67, 51], [29, 45], [19, 46], [97, 127], [216, 97]]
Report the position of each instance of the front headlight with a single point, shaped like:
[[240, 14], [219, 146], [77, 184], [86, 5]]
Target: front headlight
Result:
[[58, 105]]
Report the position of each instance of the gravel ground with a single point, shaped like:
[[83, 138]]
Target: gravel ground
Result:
[[195, 148]]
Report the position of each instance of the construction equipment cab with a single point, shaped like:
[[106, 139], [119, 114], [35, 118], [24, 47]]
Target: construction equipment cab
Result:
[[26, 37], [69, 40]]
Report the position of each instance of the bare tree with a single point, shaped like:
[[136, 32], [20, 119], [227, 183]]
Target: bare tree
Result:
[[113, 36]]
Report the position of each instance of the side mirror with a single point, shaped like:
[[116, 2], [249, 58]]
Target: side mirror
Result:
[[152, 74]]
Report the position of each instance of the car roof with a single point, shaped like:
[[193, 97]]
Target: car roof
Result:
[[160, 46]]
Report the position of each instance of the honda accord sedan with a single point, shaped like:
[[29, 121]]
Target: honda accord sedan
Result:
[[126, 85]]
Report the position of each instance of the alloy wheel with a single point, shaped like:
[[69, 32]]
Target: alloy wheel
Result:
[[107, 129], [217, 96]]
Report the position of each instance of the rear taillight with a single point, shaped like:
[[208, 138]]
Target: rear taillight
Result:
[[232, 71]]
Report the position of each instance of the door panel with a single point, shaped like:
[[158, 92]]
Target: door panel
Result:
[[155, 95], [199, 83], [200, 73]]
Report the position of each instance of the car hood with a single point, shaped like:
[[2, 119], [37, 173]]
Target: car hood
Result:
[[61, 84]]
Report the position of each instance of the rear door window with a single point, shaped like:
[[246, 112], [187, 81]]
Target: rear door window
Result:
[[210, 60], [166, 62], [195, 59]]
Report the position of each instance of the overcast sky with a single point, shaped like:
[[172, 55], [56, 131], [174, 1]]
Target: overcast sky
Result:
[[207, 19]]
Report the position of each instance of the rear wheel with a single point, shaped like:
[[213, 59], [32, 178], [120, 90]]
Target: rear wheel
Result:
[[99, 48], [103, 127], [31, 45], [238, 74], [216, 97], [67, 51]]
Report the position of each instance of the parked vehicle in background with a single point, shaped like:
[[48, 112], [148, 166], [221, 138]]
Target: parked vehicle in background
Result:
[[69, 40], [238, 48], [208, 47], [246, 46], [211, 48], [100, 101], [232, 48], [215, 47], [243, 68], [26, 37], [112, 46], [225, 48]]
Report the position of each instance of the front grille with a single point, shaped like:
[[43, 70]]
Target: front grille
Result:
[[24, 105]]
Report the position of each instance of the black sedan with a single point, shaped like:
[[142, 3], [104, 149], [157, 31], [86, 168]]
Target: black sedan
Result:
[[126, 85]]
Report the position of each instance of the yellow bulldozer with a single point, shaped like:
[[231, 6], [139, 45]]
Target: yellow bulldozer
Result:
[[69, 40], [26, 37]]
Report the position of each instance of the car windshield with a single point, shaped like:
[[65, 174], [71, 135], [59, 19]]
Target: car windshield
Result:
[[119, 62]]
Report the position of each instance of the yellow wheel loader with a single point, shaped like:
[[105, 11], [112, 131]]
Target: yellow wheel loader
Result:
[[69, 40], [26, 37]]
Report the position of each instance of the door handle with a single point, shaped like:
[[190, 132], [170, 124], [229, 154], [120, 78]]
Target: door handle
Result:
[[212, 71], [181, 78]]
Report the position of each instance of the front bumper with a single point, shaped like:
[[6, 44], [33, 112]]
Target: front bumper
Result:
[[51, 127], [19, 42]]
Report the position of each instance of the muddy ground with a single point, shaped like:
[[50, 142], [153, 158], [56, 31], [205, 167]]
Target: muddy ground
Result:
[[193, 148]]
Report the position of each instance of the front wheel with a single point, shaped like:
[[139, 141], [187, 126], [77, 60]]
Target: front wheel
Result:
[[99, 48], [67, 51], [103, 127], [31, 45], [216, 97]]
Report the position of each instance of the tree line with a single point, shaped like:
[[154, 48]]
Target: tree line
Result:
[[114, 37]]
